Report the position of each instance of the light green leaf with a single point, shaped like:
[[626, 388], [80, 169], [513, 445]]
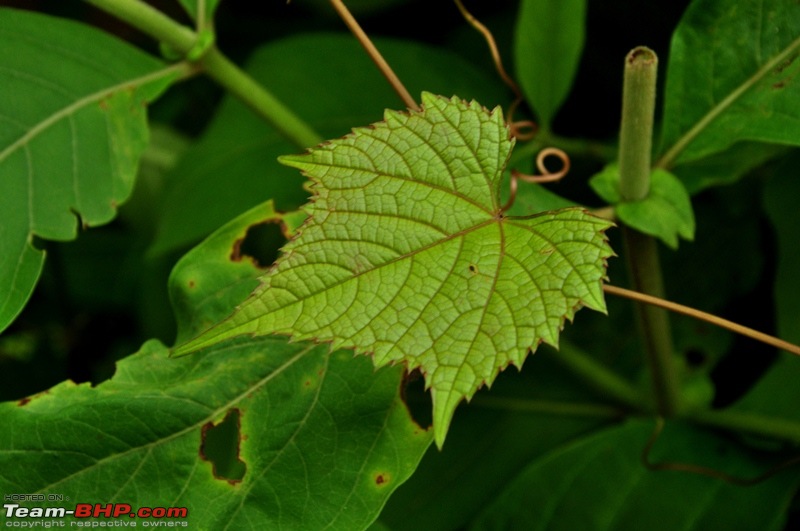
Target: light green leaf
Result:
[[341, 88], [665, 213], [74, 126], [548, 46], [408, 256], [600, 484], [732, 76]]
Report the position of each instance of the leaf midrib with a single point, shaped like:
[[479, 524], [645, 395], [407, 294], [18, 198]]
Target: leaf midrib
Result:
[[683, 142], [209, 418], [77, 105]]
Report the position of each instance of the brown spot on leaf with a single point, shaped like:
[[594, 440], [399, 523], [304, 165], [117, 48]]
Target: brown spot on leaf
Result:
[[25, 401], [380, 479], [191, 284]]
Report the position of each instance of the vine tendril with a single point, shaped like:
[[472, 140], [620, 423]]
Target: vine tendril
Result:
[[703, 470], [546, 176]]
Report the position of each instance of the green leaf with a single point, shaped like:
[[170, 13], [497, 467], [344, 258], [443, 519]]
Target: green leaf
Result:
[[324, 438], [777, 394], [599, 483], [341, 88], [726, 167], [665, 213], [407, 255], [73, 110], [548, 46], [525, 415], [732, 76]]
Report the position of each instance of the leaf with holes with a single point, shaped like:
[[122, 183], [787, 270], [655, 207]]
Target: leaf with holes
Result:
[[74, 126], [407, 255]]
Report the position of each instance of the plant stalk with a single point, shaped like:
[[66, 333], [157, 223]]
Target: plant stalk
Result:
[[635, 151], [182, 39], [752, 423], [374, 54]]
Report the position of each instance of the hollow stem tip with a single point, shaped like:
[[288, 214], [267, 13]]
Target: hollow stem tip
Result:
[[636, 130]]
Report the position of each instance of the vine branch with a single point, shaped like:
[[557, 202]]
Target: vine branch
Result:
[[374, 54], [183, 40], [703, 316]]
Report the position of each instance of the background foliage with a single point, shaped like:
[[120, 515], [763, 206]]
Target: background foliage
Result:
[[533, 448]]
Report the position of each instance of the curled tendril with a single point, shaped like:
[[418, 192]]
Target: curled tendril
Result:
[[546, 176], [525, 129], [706, 471]]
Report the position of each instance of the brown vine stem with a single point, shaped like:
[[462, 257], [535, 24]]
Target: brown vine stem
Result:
[[703, 316], [704, 470], [516, 127], [374, 54], [498, 63]]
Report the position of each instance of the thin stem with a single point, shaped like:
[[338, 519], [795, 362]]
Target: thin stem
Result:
[[549, 407], [703, 316], [635, 149], [253, 94], [490, 41], [182, 39], [752, 423], [641, 252], [374, 54], [599, 378]]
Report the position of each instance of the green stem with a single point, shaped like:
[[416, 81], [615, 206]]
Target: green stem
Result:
[[635, 150], [151, 21], [754, 424], [547, 407], [597, 377], [249, 91], [182, 39]]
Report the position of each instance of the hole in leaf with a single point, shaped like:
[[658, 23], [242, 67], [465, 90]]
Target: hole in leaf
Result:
[[220, 445], [417, 399], [261, 244]]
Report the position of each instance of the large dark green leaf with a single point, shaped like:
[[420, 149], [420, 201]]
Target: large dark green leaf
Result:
[[732, 77], [599, 483], [323, 438], [74, 126]]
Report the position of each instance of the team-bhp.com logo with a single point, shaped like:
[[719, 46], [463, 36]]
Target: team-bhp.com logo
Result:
[[94, 515]]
